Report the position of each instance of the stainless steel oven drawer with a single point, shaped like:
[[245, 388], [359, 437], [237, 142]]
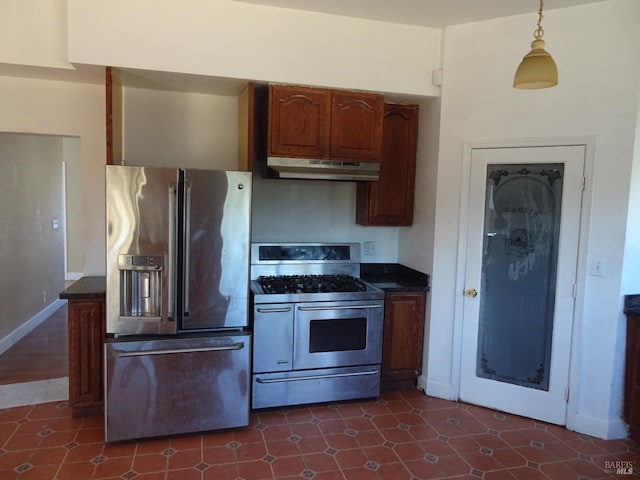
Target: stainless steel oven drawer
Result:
[[273, 328], [315, 386], [176, 385]]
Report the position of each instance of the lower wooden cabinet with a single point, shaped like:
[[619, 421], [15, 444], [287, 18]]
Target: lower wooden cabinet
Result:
[[86, 327], [403, 338], [631, 411]]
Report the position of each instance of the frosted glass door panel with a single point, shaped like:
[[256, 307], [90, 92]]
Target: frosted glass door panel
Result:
[[518, 278]]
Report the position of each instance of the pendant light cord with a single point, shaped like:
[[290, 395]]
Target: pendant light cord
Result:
[[539, 32]]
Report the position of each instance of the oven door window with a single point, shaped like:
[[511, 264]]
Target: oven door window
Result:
[[337, 335]]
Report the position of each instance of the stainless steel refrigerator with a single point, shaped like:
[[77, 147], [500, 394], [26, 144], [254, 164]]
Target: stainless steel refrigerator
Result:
[[178, 346]]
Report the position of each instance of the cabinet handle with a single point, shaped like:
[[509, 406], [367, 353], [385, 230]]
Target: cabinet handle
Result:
[[186, 247], [171, 294], [274, 310]]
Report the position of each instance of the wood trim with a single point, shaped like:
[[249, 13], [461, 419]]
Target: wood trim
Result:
[[108, 82]]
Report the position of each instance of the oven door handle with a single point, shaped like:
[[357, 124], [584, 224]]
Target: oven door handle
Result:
[[315, 377], [340, 307]]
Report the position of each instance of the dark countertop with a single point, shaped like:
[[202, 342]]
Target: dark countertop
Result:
[[86, 287], [632, 304], [393, 277]]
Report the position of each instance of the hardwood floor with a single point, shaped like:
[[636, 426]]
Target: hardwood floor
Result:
[[39, 355]]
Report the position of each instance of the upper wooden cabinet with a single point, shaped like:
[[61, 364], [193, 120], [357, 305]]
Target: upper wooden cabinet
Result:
[[318, 123], [298, 121], [356, 125], [389, 201]]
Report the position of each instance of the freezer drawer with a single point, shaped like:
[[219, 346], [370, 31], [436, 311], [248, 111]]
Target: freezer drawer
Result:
[[176, 385]]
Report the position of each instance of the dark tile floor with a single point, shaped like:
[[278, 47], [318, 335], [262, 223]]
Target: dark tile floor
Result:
[[403, 435]]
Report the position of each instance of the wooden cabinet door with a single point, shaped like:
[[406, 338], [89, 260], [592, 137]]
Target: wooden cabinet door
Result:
[[403, 338], [86, 326], [356, 126], [631, 405], [389, 201], [298, 121]]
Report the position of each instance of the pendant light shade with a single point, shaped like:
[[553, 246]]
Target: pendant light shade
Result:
[[537, 69]]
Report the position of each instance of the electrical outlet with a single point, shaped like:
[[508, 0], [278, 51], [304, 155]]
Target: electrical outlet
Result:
[[44, 296], [369, 248]]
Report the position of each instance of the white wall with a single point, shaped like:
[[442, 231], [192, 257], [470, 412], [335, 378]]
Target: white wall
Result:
[[74, 207], [31, 105], [208, 37], [232, 39], [194, 130], [31, 250], [38, 38], [184, 129], [415, 244], [598, 96], [630, 279], [316, 211]]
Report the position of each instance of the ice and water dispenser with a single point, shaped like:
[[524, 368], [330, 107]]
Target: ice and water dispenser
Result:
[[140, 286]]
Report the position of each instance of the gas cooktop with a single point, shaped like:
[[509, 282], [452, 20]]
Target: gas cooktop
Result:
[[274, 284], [308, 272]]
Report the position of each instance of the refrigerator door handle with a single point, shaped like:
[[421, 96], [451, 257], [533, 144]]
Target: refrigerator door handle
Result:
[[186, 246], [142, 353], [171, 293]]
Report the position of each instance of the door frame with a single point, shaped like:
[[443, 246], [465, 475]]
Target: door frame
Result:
[[590, 144]]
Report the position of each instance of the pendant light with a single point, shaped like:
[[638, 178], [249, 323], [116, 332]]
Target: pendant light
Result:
[[537, 69]]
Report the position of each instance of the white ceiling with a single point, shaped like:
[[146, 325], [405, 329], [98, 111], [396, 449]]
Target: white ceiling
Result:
[[426, 13]]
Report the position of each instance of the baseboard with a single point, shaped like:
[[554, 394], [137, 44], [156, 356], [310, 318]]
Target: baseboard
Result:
[[31, 393], [422, 383], [439, 390], [73, 276], [607, 429], [12, 338]]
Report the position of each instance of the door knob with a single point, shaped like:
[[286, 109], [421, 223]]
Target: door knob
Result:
[[472, 292]]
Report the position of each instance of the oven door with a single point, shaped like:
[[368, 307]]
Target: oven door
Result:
[[338, 334]]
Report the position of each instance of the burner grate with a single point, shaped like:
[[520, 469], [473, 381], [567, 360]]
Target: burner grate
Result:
[[278, 284]]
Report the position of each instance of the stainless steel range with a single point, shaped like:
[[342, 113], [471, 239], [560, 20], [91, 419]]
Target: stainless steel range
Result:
[[317, 326]]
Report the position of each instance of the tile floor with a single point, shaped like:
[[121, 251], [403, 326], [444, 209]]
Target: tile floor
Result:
[[403, 435]]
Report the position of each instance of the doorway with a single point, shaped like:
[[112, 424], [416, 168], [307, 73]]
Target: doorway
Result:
[[523, 233]]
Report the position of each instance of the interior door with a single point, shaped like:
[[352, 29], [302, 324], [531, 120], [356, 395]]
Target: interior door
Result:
[[522, 246]]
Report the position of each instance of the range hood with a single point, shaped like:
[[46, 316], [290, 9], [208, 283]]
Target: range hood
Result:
[[306, 168]]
